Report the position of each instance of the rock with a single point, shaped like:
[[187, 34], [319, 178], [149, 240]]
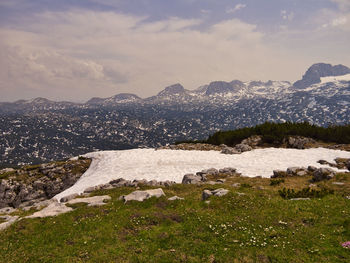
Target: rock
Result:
[[68, 198], [338, 183], [292, 170], [221, 181], [301, 173], [298, 142], [153, 183], [253, 141], [9, 221], [192, 179], [220, 192], [243, 147], [236, 185], [299, 199], [7, 210], [53, 209], [90, 189], [92, 201], [143, 195], [211, 171], [322, 174], [228, 170], [323, 162], [279, 174], [206, 194], [175, 198], [348, 164], [229, 150], [311, 168], [217, 192]]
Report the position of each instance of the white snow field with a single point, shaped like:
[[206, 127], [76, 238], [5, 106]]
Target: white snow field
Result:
[[162, 165]]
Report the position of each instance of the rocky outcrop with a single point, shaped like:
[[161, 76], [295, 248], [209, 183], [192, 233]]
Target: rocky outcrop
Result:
[[322, 174], [299, 142], [40, 182]]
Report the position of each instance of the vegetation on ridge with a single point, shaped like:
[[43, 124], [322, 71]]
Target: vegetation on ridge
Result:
[[275, 133]]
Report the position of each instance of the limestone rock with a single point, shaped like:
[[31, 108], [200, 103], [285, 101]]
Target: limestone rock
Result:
[[229, 150], [92, 201], [175, 198], [143, 195], [322, 174]]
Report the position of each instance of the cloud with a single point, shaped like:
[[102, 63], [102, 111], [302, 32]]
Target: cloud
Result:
[[287, 16], [81, 54], [344, 5], [236, 8]]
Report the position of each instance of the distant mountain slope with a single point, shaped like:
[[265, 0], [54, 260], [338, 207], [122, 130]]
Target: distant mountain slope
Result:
[[40, 130]]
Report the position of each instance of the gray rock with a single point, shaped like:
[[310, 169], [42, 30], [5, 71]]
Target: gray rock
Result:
[[221, 181], [229, 150], [292, 170], [91, 201], [90, 189], [311, 168], [206, 194], [143, 195], [322, 174], [7, 210], [252, 141], [243, 147], [173, 198], [228, 170], [301, 173], [236, 185], [278, 174], [220, 192], [192, 179], [52, 209], [211, 171], [68, 198], [9, 221], [299, 142], [299, 199]]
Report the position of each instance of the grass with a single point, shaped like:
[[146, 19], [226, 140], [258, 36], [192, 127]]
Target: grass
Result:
[[252, 223]]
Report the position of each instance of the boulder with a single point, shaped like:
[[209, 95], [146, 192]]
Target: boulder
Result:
[[253, 141], [52, 209], [243, 147], [68, 198], [229, 150], [217, 192], [279, 174], [311, 168], [211, 171], [142, 195], [292, 170], [322, 174], [192, 179], [91, 201], [299, 142], [228, 170]]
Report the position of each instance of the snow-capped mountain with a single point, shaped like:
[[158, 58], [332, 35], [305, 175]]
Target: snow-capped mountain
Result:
[[41, 130]]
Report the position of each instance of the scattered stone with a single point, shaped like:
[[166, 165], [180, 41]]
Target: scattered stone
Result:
[[323, 162], [143, 195], [292, 170], [301, 173], [92, 201], [236, 185], [173, 198], [253, 141], [299, 199], [228, 170], [221, 181], [211, 171], [90, 189]]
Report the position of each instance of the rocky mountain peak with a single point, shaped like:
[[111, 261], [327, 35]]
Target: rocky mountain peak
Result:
[[172, 90], [314, 74]]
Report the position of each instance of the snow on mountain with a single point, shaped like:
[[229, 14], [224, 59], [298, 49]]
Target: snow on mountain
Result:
[[335, 79], [162, 165]]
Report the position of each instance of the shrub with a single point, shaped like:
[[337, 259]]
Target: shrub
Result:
[[304, 193]]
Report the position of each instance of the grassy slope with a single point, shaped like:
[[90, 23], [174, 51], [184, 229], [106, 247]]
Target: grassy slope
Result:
[[259, 226]]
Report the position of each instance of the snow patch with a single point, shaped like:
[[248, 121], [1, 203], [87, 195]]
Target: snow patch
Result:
[[335, 78], [162, 165]]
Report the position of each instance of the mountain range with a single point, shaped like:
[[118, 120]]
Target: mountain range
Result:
[[41, 130]]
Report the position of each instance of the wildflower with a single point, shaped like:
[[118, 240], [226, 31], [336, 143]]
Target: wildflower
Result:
[[346, 244]]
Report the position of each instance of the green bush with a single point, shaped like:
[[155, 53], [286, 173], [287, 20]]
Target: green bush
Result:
[[304, 193], [275, 133], [276, 182]]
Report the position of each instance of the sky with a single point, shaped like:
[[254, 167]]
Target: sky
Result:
[[77, 49]]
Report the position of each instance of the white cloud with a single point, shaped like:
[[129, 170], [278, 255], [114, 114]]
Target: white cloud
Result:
[[343, 5], [81, 54], [235, 9], [287, 16]]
